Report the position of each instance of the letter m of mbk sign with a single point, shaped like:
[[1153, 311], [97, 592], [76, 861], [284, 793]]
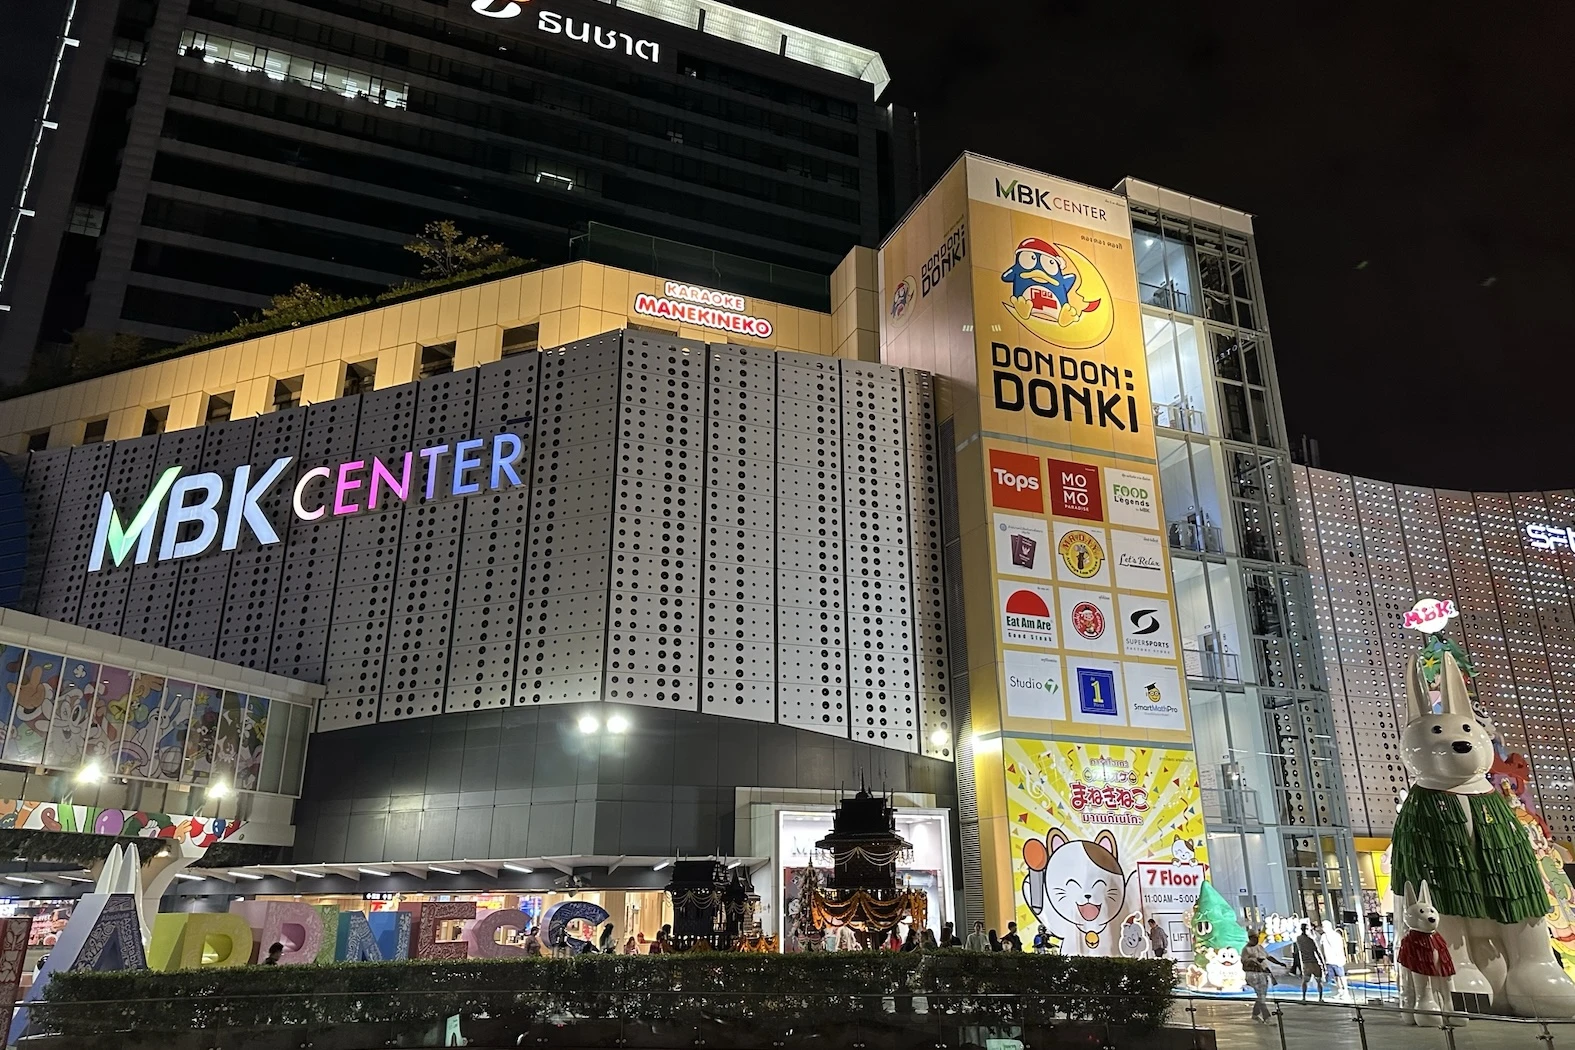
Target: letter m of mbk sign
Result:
[[1014, 482]]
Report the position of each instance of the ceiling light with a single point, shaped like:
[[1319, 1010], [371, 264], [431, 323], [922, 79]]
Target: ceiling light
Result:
[[939, 737], [218, 789], [76, 878], [90, 774], [244, 875], [733, 865], [588, 724], [617, 724], [662, 865], [24, 881], [190, 878], [446, 871], [519, 868], [308, 874], [374, 871]]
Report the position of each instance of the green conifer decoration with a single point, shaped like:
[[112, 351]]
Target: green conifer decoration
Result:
[[1214, 922]]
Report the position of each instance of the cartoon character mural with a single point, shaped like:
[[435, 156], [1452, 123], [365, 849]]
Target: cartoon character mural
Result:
[[35, 693], [66, 733], [1056, 292], [1077, 889], [1105, 836]]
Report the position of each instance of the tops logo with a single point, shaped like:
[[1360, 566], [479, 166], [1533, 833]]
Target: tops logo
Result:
[[1058, 295], [1014, 482]]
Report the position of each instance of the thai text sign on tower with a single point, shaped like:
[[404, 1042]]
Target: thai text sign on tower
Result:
[[1058, 494]]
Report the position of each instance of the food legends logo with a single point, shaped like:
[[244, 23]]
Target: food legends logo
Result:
[[194, 500], [1057, 294]]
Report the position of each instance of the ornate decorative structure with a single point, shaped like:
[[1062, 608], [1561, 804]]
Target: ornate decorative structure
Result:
[[862, 890]]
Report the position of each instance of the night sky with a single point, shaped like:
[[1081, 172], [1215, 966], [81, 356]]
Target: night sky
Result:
[[1407, 166]]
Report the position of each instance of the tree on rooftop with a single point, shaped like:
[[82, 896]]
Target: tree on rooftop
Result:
[[445, 250]]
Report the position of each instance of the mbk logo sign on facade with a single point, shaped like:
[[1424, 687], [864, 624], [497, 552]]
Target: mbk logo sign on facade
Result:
[[195, 499]]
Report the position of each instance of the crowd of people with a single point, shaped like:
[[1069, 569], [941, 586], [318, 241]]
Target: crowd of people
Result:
[[847, 939]]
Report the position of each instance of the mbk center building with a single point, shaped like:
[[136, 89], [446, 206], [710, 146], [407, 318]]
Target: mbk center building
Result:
[[561, 577]]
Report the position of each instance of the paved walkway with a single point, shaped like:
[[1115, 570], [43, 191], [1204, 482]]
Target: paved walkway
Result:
[[1335, 1027]]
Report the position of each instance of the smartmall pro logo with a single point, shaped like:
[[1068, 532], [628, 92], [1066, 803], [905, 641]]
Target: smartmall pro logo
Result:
[[190, 504]]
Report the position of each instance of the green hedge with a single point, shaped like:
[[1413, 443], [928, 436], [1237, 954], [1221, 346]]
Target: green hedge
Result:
[[979, 988]]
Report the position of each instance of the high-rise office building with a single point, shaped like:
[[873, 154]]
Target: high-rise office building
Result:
[[200, 156]]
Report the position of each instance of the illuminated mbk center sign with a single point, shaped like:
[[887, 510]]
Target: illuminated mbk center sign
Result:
[[199, 509]]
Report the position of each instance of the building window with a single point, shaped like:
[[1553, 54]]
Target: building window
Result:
[[275, 64], [218, 408], [1163, 258], [155, 420], [287, 393], [132, 52], [522, 340], [360, 378], [38, 440], [94, 431], [86, 220], [436, 360]]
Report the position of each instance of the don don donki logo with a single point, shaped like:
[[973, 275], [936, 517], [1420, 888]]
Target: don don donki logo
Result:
[[1056, 293]]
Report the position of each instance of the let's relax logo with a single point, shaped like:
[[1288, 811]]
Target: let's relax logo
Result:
[[190, 504], [585, 32]]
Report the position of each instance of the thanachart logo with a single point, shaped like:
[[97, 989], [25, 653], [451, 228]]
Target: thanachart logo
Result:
[[194, 500], [575, 29], [496, 8]]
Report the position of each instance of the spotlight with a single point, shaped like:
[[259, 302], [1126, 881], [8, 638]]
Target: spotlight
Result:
[[939, 737], [588, 724], [617, 724], [90, 774], [218, 789]]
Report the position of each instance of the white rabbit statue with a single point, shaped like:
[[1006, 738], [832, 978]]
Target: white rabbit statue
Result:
[[1457, 835], [1425, 963]]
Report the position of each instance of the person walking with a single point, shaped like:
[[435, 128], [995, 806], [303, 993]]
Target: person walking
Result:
[[948, 936], [830, 941], [606, 944], [927, 940], [1011, 942], [275, 950], [1256, 961], [1157, 941], [1042, 941], [1332, 941], [1309, 959], [531, 942], [976, 940], [995, 942]]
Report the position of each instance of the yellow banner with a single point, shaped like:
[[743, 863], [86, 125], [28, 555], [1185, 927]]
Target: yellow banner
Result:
[[1104, 838]]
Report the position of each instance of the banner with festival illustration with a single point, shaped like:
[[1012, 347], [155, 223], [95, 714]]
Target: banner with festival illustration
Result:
[[1103, 836]]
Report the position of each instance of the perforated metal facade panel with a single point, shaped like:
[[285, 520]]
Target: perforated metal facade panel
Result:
[[707, 528], [1374, 549]]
